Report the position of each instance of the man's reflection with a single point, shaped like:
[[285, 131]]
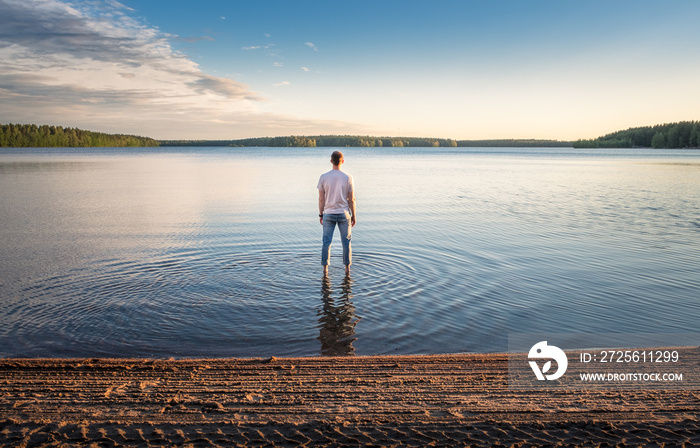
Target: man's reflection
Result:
[[337, 320]]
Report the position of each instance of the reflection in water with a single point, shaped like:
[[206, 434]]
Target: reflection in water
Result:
[[337, 320]]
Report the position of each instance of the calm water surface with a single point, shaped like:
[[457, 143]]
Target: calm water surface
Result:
[[185, 252]]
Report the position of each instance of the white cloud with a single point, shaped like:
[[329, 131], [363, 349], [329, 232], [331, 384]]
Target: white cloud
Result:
[[255, 47], [283, 83], [119, 5], [277, 64], [311, 45], [224, 87], [306, 69], [83, 61]]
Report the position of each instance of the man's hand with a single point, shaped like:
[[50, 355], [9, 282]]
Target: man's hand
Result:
[[320, 219], [351, 203]]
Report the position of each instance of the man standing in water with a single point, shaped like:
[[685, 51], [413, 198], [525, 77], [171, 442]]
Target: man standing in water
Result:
[[336, 205]]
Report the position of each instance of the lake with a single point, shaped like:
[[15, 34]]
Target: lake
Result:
[[215, 252]]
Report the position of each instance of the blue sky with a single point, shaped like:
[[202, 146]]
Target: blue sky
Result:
[[455, 69]]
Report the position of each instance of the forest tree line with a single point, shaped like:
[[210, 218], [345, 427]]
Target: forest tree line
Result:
[[684, 134], [33, 136]]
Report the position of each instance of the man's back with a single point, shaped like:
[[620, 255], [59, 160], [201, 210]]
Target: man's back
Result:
[[337, 187]]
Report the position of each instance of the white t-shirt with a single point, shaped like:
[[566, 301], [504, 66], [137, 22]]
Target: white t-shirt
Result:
[[337, 186]]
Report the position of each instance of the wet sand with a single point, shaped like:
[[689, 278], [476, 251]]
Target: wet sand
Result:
[[440, 400]]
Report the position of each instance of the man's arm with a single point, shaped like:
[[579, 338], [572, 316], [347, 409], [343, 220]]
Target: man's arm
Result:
[[321, 204], [351, 203]]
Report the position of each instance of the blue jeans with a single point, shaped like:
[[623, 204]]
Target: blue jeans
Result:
[[329, 222]]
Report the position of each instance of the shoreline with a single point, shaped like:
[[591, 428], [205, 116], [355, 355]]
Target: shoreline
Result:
[[407, 400]]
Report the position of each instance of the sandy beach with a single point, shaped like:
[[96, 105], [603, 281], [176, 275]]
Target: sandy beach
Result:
[[438, 400]]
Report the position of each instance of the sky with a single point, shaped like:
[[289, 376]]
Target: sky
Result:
[[461, 69]]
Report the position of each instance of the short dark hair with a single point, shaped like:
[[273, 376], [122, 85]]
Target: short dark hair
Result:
[[336, 157]]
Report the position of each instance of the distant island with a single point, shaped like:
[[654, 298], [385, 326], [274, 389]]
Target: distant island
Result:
[[683, 134], [365, 141], [667, 136]]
